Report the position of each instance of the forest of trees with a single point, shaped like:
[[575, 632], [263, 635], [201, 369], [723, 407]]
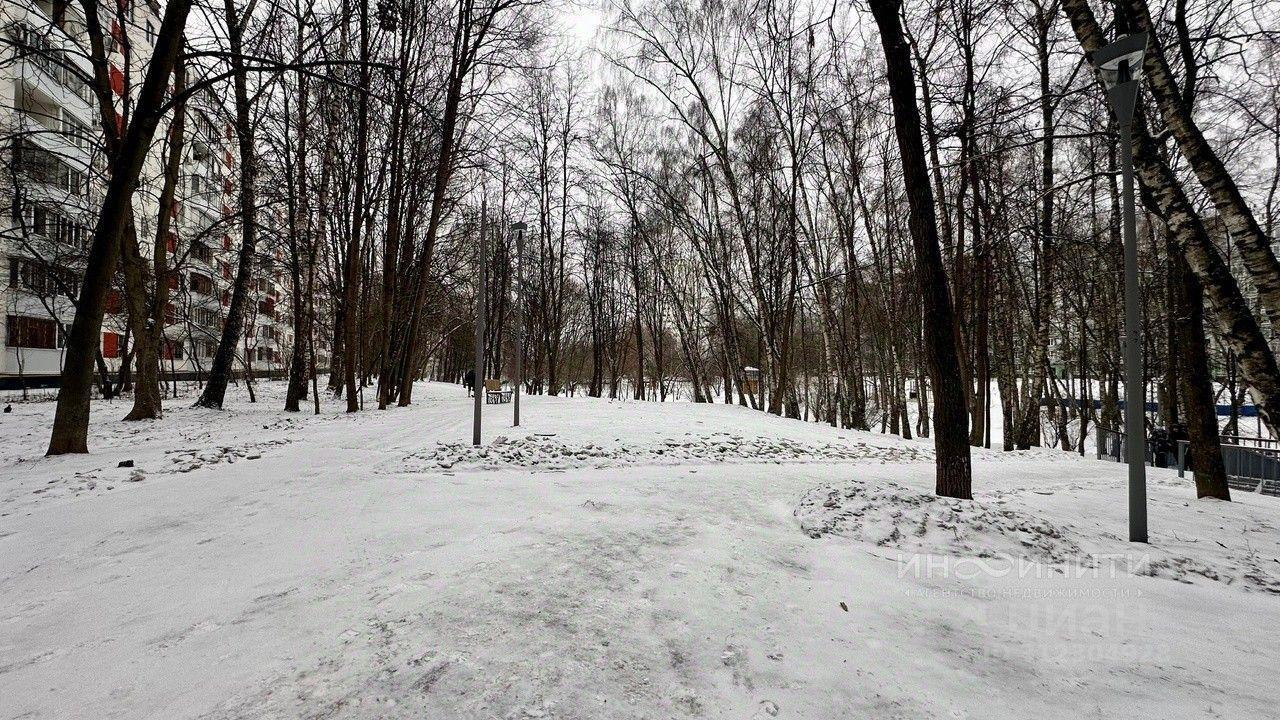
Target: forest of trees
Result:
[[900, 216]]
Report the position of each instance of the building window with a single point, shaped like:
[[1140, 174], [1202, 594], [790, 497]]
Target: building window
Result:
[[201, 252], [41, 279], [31, 332], [200, 284], [35, 218], [204, 317], [40, 51], [43, 166], [77, 132], [39, 220]]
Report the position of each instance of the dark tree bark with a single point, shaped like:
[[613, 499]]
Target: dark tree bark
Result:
[[951, 437], [299, 234], [351, 268], [159, 252], [215, 390], [1197, 383]]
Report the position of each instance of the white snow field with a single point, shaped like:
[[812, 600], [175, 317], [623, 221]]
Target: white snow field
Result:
[[607, 560]]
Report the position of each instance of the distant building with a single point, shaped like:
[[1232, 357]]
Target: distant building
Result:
[[53, 175]]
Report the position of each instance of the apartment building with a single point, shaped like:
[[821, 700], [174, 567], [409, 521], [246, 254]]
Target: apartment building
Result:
[[53, 174]]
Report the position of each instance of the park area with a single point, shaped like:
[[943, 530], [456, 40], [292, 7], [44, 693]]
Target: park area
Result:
[[607, 560]]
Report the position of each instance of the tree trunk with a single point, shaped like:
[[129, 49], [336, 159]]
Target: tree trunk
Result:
[[951, 437], [299, 227], [215, 389], [351, 268], [1197, 384]]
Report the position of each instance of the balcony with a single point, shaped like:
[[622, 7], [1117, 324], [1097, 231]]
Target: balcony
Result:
[[48, 65], [47, 176]]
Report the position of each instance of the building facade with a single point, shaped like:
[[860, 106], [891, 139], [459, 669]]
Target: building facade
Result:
[[54, 174]]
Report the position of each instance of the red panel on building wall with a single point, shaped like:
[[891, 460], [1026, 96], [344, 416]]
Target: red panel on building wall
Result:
[[110, 345], [226, 242], [171, 243], [113, 302], [117, 83]]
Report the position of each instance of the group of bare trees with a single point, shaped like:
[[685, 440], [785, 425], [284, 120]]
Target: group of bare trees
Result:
[[726, 202], [955, 240], [346, 126]]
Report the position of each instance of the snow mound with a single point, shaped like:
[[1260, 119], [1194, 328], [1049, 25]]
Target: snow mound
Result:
[[894, 516], [1013, 529], [550, 452], [188, 459], [1245, 568]]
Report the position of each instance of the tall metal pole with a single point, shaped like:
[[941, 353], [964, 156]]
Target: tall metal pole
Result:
[[1123, 97], [482, 261], [1120, 64], [519, 350]]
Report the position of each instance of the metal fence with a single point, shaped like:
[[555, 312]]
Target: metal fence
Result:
[[1111, 445], [1252, 469], [1253, 464]]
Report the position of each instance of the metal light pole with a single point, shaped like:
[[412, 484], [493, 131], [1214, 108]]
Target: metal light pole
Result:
[[519, 229], [1120, 65], [480, 308]]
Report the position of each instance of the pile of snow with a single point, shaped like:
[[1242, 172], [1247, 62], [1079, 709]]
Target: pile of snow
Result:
[[1000, 536], [890, 515], [549, 452]]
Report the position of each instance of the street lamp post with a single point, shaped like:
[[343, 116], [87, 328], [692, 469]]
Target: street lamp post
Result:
[[1120, 65], [519, 230]]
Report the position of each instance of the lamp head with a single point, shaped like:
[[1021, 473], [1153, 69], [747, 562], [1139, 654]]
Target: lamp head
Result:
[[1121, 61]]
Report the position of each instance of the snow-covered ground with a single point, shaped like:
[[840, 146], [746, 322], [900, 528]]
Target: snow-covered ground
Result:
[[607, 560]]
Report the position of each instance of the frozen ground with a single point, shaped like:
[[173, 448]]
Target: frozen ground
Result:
[[607, 560]]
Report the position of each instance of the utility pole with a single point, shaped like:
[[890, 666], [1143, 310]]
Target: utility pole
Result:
[[482, 273], [519, 229], [1120, 65]]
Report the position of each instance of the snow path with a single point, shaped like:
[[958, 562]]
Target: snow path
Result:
[[299, 566]]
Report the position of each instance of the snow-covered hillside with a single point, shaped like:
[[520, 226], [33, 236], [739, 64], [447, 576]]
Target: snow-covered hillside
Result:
[[607, 560]]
